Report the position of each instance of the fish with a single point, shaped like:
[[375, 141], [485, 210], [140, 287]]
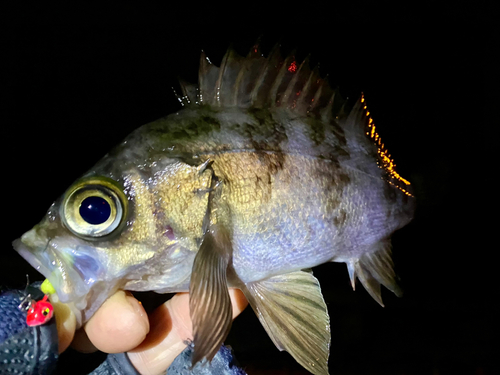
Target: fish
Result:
[[263, 174]]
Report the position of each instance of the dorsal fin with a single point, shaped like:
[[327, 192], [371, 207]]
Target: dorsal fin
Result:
[[207, 76], [258, 81], [266, 82], [360, 116], [365, 140]]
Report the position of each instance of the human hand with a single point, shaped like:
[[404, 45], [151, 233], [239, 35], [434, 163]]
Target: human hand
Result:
[[122, 325]]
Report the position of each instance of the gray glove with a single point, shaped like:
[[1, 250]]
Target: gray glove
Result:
[[23, 349]]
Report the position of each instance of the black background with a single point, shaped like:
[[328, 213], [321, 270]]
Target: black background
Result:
[[76, 79]]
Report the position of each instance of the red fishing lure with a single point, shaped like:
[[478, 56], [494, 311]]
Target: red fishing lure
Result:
[[39, 312]]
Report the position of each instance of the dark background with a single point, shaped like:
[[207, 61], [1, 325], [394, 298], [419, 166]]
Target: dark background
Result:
[[77, 79]]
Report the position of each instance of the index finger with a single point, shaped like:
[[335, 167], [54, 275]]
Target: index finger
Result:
[[170, 329]]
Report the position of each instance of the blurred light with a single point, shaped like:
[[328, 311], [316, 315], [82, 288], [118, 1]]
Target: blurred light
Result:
[[385, 161]]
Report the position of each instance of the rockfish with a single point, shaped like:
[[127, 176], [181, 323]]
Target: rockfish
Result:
[[262, 175]]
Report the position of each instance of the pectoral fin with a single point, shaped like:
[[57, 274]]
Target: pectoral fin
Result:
[[294, 314], [209, 301]]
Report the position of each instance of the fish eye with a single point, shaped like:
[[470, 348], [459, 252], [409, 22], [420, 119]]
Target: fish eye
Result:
[[94, 208]]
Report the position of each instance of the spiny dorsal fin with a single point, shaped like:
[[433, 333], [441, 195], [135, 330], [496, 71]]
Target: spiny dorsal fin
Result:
[[207, 76], [306, 101], [189, 92], [295, 86], [258, 81], [246, 82]]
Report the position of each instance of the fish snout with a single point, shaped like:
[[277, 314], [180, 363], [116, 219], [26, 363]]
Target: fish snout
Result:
[[69, 268]]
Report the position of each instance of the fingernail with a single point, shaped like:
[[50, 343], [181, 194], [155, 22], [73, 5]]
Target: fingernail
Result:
[[135, 304]]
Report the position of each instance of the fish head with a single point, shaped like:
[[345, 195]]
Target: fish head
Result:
[[120, 227]]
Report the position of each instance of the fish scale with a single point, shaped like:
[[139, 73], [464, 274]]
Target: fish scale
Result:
[[262, 175]]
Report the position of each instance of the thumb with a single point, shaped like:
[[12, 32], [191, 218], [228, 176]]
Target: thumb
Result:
[[66, 324]]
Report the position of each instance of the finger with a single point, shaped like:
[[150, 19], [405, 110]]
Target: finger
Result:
[[120, 324], [66, 324], [170, 328], [82, 343]]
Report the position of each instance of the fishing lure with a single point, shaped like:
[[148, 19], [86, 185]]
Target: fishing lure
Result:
[[39, 312]]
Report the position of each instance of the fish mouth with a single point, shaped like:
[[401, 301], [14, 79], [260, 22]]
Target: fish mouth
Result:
[[72, 271]]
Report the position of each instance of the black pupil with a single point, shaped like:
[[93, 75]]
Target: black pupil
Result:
[[95, 210]]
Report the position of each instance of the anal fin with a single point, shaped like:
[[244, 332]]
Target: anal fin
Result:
[[375, 268], [209, 301], [292, 310]]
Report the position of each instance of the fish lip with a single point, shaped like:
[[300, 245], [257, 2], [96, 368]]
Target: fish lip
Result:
[[28, 256], [69, 284]]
